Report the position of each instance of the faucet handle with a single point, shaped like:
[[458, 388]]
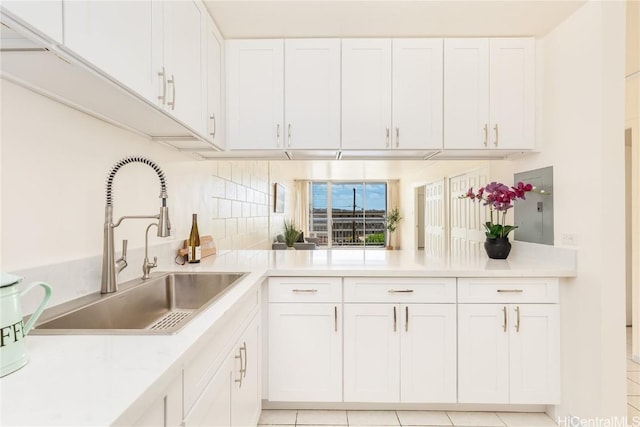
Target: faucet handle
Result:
[[155, 261], [124, 250]]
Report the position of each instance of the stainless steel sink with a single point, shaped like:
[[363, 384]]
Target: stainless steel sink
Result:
[[160, 305]]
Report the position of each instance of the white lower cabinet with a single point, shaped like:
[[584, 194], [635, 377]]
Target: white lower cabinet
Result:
[[213, 408], [246, 401], [508, 351], [400, 353], [232, 397], [400, 340], [305, 352], [305, 339], [166, 409]]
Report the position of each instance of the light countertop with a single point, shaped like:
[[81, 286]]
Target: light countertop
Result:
[[83, 380]]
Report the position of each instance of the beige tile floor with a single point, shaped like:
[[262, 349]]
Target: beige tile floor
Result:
[[308, 418]]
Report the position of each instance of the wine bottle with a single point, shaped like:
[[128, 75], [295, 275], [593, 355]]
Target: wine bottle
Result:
[[195, 253]]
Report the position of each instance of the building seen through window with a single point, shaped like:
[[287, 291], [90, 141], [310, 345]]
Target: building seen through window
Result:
[[348, 214]]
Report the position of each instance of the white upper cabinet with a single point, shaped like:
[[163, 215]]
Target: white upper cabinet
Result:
[[512, 93], [214, 82], [489, 93], [466, 93], [312, 93], [392, 94], [366, 94], [417, 93], [180, 76], [255, 95], [116, 37], [43, 16]]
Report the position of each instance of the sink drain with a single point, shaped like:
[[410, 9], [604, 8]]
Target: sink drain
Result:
[[171, 319]]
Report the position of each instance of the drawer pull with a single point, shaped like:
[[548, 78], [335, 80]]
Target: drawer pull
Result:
[[305, 290], [516, 291], [404, 291]]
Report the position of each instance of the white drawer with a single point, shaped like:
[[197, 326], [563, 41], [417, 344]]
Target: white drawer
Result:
[[400, 289], [305, 289], [507, 290]]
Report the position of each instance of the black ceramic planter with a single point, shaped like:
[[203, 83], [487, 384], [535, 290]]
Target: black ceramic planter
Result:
[[498, 248]]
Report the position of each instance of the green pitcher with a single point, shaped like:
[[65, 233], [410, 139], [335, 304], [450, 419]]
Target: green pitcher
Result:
[[13, 331]]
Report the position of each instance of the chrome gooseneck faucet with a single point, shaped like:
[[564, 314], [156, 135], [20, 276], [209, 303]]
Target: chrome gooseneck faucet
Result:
[[110, 266]]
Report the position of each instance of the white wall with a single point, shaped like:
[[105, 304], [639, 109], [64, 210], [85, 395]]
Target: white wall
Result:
[[580, 131], [54, 166]]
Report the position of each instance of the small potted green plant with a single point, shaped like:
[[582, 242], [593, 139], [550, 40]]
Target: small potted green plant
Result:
[[392, 223], [291, 233]]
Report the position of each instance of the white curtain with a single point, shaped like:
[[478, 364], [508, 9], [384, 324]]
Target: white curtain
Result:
[[393, 201], [301, 206]]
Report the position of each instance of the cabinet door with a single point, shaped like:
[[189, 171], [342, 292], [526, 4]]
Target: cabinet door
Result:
[[534, 375], [116, 37], [167, 409], [417, 93], [466, 93], [43, 16], [312, 93], [512, 103], [214, 87], [483, 353], [428, 347], [255, 97], [213, 407], [183, 61], [366, 94], [305, 352], [245, 389], [371, 353]]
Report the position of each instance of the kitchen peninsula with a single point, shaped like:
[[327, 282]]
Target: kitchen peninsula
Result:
[[125, 379]]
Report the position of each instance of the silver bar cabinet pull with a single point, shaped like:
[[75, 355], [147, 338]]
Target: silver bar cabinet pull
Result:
[[278, 135], [246, 359], [163, 97], [304, 290], [486, 134], [289, 136], [496, 129], [517, 291], [398, 291], [406, 318], [395, 319], [213, 131], [387, 142], [335, 318], [172, 82], [397, 136], [517, 318], [239, 356], [504, 313]]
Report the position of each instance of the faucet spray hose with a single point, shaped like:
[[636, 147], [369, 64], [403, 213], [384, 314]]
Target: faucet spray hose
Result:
[[136, 159]]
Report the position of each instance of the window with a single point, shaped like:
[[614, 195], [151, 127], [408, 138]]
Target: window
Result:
[[348, 214]]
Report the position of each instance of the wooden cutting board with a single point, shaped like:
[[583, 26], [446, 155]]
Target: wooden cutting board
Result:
[[207, 247]]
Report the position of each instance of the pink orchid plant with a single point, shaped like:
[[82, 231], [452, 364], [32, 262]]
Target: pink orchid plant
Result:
[[500, 199]]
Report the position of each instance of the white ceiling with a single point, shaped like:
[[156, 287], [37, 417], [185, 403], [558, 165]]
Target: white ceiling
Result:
[[388, 18]]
